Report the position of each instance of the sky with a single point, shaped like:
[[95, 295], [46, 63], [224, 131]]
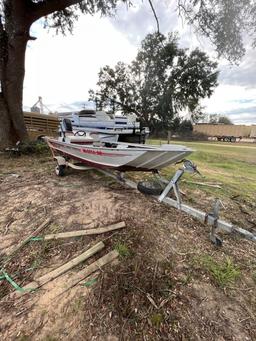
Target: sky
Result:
[[62, 69]]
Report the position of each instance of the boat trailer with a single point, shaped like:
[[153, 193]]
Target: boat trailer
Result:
[[211, 218]]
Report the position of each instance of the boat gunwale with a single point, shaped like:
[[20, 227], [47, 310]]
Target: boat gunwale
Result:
[[138, 147]]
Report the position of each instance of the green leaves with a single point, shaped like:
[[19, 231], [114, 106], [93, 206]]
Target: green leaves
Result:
[[63, 19]]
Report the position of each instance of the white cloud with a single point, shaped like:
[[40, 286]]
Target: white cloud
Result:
[[229, 97], [236, 102]]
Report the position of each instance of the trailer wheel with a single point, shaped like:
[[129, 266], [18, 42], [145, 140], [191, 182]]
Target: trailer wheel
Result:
[[150, 187], [60, 170], [233, 139]]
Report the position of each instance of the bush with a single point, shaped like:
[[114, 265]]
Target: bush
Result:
[[33, 147]]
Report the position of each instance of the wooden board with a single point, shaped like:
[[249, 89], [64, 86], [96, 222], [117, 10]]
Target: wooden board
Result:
[[81, 275], [62, 269], [80, 233]]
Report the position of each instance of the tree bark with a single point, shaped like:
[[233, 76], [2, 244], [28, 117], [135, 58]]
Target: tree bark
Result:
[[14, 36], [4, 124], [13, 86]]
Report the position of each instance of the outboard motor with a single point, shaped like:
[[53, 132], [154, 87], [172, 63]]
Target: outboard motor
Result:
[[65, 126]]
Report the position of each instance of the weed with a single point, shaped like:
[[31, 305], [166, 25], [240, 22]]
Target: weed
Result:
[[223, 273], [77, 305], [123, 250], [186, 279], [156, 320]]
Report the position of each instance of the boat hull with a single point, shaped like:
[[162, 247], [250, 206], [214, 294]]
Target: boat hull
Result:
[[123, 158]]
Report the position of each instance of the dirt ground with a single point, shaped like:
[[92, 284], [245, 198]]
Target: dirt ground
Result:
[[170, 282]]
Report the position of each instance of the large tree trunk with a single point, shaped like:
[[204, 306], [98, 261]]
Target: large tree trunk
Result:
[[13, 40], [4, 124], [12, 127]]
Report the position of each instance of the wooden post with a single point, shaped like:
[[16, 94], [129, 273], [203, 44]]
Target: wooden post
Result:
[[169, 136]]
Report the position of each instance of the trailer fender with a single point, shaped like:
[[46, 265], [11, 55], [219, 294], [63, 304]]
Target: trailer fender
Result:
[[60, 160]]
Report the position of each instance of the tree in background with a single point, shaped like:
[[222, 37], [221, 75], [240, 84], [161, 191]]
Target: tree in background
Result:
[[198, 115], [219, 119], [122, 94], [185, 127], [213, 118], [224, 120], [162, 81]]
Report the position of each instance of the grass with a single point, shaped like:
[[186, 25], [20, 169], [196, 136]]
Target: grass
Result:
[[77, 304], [156, 320], [224, 273], [232, 165], [123, 250]]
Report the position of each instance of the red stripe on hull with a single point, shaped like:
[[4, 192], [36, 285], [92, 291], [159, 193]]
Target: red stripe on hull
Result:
[[100, 166]]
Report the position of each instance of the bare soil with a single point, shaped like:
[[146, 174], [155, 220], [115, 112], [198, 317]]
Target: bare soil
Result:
[[159, 289]]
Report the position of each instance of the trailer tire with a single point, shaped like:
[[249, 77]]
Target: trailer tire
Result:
[[60, 170], [233, 139], [150, 187]]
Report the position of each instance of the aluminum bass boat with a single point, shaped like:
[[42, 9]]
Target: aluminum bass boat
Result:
[[119, 156]]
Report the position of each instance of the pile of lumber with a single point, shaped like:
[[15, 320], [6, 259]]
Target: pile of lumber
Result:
[[77, 277]]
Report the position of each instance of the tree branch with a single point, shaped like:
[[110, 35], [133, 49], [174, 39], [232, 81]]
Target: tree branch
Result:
[[154, 12], [47, 7], [124, 106]]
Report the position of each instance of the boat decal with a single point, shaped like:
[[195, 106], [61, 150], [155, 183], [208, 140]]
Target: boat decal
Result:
[[100, 152], [86, 150]]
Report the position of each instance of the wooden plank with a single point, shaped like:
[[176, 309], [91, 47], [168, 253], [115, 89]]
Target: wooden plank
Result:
[[81, 275], [80, 233], [33, 234], [37, 283]]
